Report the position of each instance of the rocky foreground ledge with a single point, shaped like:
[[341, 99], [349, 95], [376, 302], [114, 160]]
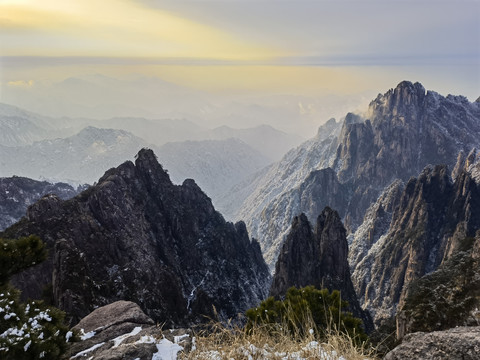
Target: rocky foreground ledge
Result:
[[121, 330], [461, 343]]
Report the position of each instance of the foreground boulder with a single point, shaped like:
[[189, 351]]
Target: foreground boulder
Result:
[[462, 343], [136, 236], [122, 330]]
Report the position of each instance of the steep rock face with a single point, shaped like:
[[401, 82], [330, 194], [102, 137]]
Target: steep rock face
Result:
[[433, 215], [375, 223], [320, 188], [318, 258], [136, 236], [405, 129], [447, 297], [17, 193], [408, 128]]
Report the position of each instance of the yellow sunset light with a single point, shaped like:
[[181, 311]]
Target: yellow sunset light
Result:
[[114, 28]]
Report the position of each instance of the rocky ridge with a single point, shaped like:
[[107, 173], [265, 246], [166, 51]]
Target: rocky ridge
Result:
[[136, 236], [17, 193], [82, 158], [404, 130]]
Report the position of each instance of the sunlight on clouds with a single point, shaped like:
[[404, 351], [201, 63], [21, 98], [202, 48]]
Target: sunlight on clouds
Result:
[[21, 83], [114, 28]]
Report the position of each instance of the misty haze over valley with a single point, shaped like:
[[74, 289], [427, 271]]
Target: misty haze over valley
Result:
[[239, 180]]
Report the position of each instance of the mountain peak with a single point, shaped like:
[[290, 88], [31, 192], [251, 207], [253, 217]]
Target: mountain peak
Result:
[[408, 85], [146, 154], [147, 163], [403, 100]]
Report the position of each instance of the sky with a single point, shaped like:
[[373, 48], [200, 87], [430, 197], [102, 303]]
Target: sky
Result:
[[236, 49]]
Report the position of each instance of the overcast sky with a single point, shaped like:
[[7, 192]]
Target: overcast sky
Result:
[[306, 47]]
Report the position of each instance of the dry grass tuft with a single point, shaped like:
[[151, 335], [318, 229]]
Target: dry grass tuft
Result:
[[264, 342]]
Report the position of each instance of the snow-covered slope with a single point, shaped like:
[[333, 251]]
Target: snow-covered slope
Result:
[[20, 127]]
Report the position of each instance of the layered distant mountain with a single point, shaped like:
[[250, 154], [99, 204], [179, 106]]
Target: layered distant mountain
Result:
[[267, 140], [81, 158], [137, 236], [215, 164], [19, 127]]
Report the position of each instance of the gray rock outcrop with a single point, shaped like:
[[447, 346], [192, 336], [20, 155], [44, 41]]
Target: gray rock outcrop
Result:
[[462, 343], [121, 330]]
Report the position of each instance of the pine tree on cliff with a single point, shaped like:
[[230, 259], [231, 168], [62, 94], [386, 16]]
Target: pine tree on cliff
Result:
[[28, 330]]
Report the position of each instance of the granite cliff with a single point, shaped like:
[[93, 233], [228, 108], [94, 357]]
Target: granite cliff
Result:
[[432, 217], [317, 257], [136, 236]]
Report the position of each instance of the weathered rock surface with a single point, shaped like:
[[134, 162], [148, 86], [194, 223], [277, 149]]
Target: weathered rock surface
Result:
[[462, 343], [317, 258], [136, 236], [447, 297], [17, 193], [433, 216], [113, 314], [122, 331], [375, 223]]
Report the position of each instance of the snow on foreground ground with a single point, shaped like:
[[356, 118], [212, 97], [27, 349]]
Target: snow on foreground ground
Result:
[[172, 350], [312, 350]]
